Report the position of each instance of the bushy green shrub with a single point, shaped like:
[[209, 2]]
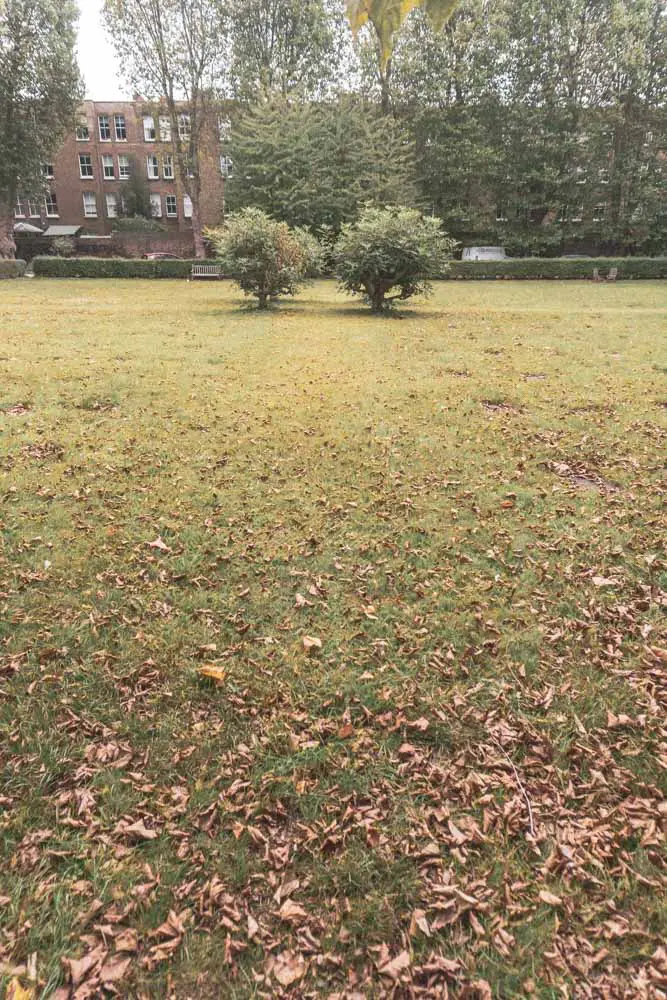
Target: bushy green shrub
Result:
[[266, 258], [10, 268], [390, 250], [558, 267], [110, 267]]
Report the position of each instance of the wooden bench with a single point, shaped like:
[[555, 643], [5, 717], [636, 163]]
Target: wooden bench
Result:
[[613, 274], [205, 271]]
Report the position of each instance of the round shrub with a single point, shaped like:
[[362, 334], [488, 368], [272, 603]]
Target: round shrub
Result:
[[391, 254], [266, 258]]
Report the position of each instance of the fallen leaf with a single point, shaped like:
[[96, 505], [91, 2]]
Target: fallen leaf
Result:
[[394, 968], [311, 642], [292, 911], [253, 927], [17, 992], [550, 898], [137, 831], [603, 581], [115, 968], [288, 967], [212, 670], [159, 544]]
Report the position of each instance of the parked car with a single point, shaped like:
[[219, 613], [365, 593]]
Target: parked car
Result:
[[484, 253], [161, 256]]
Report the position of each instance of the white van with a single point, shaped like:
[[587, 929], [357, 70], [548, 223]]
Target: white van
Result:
[[484, 253]]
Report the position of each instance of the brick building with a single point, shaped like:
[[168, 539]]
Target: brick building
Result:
[[87, 183]]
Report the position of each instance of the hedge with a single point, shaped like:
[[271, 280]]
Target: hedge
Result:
[[10, 268], [111, 267], [558, 267]]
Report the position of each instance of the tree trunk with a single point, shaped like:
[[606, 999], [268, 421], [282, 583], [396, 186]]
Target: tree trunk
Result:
[[200, 247], [262, 300], [7, 245]]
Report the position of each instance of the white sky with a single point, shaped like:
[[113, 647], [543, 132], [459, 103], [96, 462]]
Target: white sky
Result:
[[97, 59]]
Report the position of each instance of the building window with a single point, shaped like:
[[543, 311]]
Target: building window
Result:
[[19, 210], [90, 205], [187, 206], [153, 168], [124, 167], [51, 205], [33, 210], [107, 167], [226, 166], [120, 127], [187, 162], [168, 168], [165, 128], [224, 129], [648, 138], [172, 205], [184, 127], [105, 128], [47, 170], [112, 205], [501, 213], [85, 165], [149, 128], [578, 215], [604, 176], [156, 206], [580, 174], [599, 212], [82, 131]]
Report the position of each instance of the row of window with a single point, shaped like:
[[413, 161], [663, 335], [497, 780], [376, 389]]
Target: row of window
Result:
[[568, 213], [108, 125], [114, 202], [30, 207], [86, 171]]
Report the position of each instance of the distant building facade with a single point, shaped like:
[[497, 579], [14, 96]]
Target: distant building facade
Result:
[[87, 183]]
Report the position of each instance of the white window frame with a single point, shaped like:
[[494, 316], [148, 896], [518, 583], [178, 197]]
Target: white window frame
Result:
[[171, 198], [83, 125], [107, 127], [123, 168], [33, 210], [153, 167], [48, 171], [120, 126], [501, 215], [187, 206], [89, 165], [156, 206], [105, 166], [184, 127], [50, 202], [149, 128], [224, 129], [603, 175], [599, 212], [164, 126], [226, 166], [168, 167], [111, 200], [86, 203], [19, 208], [581, 175]]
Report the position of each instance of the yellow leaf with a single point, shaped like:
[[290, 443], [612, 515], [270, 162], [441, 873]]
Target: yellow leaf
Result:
[[212, 670], [17, 992]]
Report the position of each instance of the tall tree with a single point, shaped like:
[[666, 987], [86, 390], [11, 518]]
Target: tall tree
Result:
[[281, 46], [314, 165], [175, 51], [40, 88]]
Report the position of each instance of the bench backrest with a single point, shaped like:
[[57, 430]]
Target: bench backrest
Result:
[[206, 269], [613, 274]]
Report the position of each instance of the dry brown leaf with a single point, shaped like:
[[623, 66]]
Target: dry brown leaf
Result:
[[137, 831], [394, 967], [212, 670], [158, 544], [311, 642], [291, 911], [127, 941], [288, 967], [550, 898], [253, 927], [17, 992], [115, 968]]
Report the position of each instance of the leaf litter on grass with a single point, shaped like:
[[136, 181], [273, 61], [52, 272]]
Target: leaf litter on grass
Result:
[[356, 713]]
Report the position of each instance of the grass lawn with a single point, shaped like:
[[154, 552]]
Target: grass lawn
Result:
[[330, 646]]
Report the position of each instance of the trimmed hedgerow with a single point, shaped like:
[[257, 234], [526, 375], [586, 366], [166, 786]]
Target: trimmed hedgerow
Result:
[[557, 267], [10, 268], [111, 267]]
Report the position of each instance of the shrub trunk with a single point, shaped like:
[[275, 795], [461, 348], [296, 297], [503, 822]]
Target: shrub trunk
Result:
[[7, 244]]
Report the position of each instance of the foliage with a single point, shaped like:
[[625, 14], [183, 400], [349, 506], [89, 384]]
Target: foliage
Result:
[[265, 257], [110, 267], [391, 249], [555, 267], [137, 224], [39, 91], [315, 164], [136, 199], [465, 510], [10, 268], [63, 246], [173, 53], [283, 46]]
